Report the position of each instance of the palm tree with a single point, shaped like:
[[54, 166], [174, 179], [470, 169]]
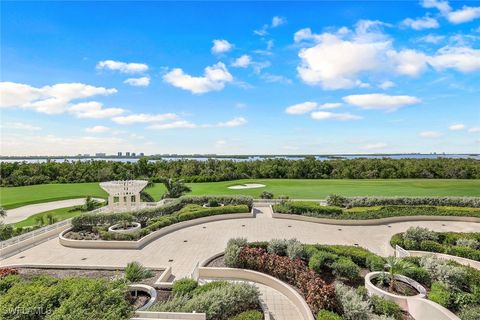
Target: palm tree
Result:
[[396, 266], [175, 188]]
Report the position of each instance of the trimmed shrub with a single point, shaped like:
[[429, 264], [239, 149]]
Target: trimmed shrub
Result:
[[345, 268], [322, 261], [248, 315], [232, 251], [418, 274], [317, 293], [277, 246], [7, 282], [295, 249], [440, 294], [307, 208], [470, 313], [266, 195], [382, 306], [336, 200], [465, 242], [209, 286], [419, 234], [454, 277], [328, 315], [352, 305], [473, 202], [431, 246], [465, 252], [375, 263], [136, 272], [184, 287], [362, 257]]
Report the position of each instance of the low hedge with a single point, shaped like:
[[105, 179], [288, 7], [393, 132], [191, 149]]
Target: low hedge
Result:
[[440, 242], [365, 213], [307, 208], [89, 220], [164, 221], [349, 202], [248, 315], [360, 256]]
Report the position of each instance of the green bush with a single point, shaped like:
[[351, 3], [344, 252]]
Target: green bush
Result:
[[464, 252], [419, 234], [213, 203], [362, 257], [337, 200], [135, 272], [322, 261], [295, 249], [266, 195], [386, 307], [345, 268], [218, 303], [473, 202], [352, 305], [248, 315], [470, 313], [232, 251], [66, 299], [277, 246], [418, 274], [209, 286], [308, 208], [328, 315], [465, 242], [184, 287], [431, 246], [440, 294], [7, 282]]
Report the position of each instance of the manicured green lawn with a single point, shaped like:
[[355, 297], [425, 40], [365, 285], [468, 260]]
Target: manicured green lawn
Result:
[[301, 189], [13, 197], [58, 214]]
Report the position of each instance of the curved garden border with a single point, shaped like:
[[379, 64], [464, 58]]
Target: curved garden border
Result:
[[144, 288], [418, 306], [258, 277], [371, 222], [115, 244], [135, 227], [461, 260]]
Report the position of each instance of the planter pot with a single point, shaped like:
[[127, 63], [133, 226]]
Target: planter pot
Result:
[[402, 301], [117, 228], [146, 289]]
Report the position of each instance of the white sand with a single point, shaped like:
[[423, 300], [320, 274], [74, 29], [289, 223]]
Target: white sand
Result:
[[247, 186]]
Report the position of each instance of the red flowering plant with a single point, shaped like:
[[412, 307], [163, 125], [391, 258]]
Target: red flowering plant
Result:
[[318, 294], [7, 271]]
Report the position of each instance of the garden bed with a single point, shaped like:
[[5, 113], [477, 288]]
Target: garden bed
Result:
[[465, 245]]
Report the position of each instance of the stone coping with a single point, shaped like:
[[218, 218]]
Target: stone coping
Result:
[[169, 315], [147, 289], [137, 244], [371, 222], [262, 278], [135, 226], [402, 301]]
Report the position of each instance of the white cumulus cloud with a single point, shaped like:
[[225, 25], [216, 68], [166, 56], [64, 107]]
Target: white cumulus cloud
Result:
[[144, 118], [301, 108], [327, 115], [122, 67], [215, 77], [20, 126], [97, 129], [421, 23], [242, 62], [278, 21], [429, 134], [235, 122], [93, 110], [221, 46], [463, 59], [380, 101], [465, 14], [456, 127], [52, 99], [138, 82]]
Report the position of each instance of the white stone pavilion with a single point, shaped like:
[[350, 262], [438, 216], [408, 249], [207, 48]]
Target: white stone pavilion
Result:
[[123, 195]]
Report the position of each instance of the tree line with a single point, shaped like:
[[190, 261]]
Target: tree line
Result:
[[22, 173]]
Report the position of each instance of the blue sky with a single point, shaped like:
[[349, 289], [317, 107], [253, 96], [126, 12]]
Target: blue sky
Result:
[[240, 77]]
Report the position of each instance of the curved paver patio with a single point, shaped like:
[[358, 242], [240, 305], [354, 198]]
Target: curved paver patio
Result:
[[183, 249], [22, 213]]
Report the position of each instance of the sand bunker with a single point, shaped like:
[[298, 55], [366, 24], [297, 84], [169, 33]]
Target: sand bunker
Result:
[[247, 186]]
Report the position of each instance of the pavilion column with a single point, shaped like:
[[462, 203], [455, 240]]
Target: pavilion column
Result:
[[137, 199], [129, 201]]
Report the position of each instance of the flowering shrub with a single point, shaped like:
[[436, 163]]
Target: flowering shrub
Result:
[[317, 293], [7, 271]]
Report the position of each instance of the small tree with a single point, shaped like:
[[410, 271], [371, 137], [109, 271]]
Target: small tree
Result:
[[266, 195], [394, 267], [175, 188]]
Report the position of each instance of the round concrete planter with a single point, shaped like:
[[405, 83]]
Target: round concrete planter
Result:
[[146, 289], [402, 301], [116, 228]]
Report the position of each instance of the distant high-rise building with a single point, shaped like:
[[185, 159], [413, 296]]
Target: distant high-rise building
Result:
[[127, 154], [141, 154], [86, 154], [133, 154], [119, 153], [100, 154]]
